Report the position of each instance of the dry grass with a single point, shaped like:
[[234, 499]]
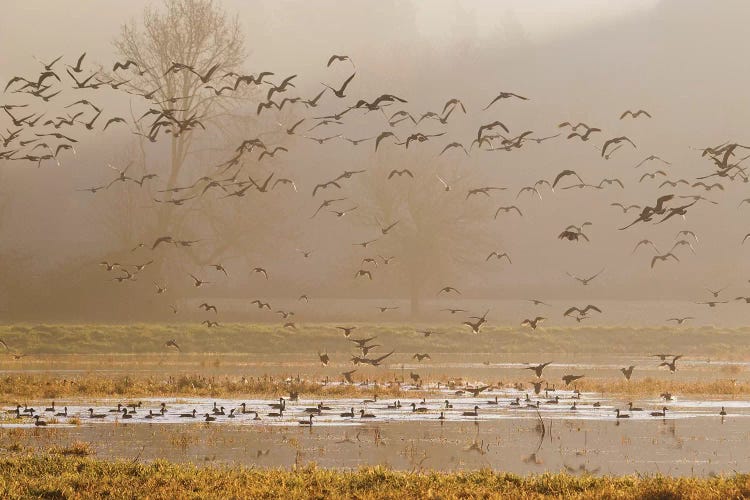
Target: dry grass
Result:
[[27, 387], [55, 476], [24, 387], [640, 387], [77, 449]]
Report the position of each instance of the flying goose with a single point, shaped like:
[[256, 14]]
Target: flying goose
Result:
[[565, 173], [348, 376], [533, 323], [571, 378], [340, 91], [477, 325], [584, 281], [616, 140], [498, 256], [671, 364], [663, 258], [645, 242], [651, 158], [537, 302], [680, 321], [197, 282], [582, 312], [652, 175], [208, 307], [683, 243], [504, 95], [585, 136], [454, 145], [172, 343], [635, 114], [538, 368]]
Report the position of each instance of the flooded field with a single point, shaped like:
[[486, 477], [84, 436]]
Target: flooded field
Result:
[[543, 433], [406, 414]]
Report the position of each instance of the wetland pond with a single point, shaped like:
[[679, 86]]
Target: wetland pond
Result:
[[691, 439]]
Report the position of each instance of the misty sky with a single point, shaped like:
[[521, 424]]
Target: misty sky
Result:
[[581, 60]]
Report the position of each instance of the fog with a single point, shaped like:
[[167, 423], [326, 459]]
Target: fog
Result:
[[589, 61]]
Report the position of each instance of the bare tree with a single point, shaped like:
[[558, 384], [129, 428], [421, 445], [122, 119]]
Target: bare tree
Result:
[[195, 33], [439, 231]]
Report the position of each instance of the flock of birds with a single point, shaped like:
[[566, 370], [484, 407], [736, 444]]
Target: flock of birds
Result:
[[40, 137], [470, 405]]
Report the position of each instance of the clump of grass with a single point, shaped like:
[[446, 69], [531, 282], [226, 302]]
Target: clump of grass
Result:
[[181, 441], [14, 447], [76, 449]]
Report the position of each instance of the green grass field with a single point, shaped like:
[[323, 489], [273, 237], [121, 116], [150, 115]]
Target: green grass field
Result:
[[56, 476], [272, 338]]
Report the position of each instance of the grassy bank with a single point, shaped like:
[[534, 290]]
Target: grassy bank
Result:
[[58, 476], [728, 343]]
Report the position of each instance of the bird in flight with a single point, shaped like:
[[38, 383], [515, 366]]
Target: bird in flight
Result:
[[387, 308], [533, 323], [498, 256], [348, 376], [663, 258], [453, 311], [477, 325], [584, 281], [363, 273], [671, 364], [537, 302], [682, 320], [346, 329], [538, 369], [571, 378], [582, 312], [504, 95], [634, 114], [616, 140], [624, 208], [340, 91], [172, 343], [651, 158], [208, 307], [565, 173], [197, 282], [508, 209], [715, 293]]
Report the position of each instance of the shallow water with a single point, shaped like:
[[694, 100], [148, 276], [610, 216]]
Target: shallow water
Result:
[[691, 439]]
